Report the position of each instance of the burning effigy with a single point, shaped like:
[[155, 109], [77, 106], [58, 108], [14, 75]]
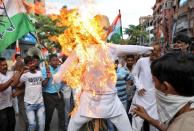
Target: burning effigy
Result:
[[90, 68]]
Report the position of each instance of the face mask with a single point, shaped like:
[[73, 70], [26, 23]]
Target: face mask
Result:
[[168, 105]]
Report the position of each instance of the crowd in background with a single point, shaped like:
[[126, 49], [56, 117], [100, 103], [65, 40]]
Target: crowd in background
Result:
[[31, 84]]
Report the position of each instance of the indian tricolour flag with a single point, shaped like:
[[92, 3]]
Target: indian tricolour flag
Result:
[[14, 23], [116, 28]]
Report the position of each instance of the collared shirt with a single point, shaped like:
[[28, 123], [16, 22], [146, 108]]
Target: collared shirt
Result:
[[122, 77], [51, 87], [5, 96], [131, 88]]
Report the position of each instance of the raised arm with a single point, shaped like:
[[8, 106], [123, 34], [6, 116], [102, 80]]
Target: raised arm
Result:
[[121, 50], [64, 67], [13, 81], [5, 85]]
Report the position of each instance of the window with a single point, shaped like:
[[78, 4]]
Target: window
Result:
[[168, 5]]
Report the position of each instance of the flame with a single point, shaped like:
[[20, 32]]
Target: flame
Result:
[[93, 70], [36, 7]]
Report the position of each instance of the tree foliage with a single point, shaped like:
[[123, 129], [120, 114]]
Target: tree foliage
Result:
[[135, 34], [47, 30]]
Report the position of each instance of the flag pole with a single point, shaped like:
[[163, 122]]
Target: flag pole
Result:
[[121, 24], [12, 26], [17, 48]]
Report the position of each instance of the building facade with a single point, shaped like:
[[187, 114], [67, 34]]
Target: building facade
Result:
[[147, 23], [171, 17]]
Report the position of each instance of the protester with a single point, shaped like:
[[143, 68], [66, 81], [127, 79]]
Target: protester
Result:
[[181, 42], [36, 60], [19, 93], [8, 80], [123, 77], [33, 98], [52, 94], [174, 92], [131, 88], [145, 93], [105, 103], [18, 57]]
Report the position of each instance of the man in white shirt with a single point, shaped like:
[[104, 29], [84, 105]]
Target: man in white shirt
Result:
[[33, 99], [145, 93], [7, 80]]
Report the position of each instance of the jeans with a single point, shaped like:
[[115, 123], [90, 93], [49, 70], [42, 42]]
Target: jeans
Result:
[[23, 120], [7, 119], [110, 125], [31, 111]]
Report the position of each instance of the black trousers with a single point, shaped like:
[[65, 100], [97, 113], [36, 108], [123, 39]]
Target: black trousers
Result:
[[7, 119], [23, 120], [52, 101]]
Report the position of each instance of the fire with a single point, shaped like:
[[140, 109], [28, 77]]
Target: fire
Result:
[[36, 7], [93, 70]]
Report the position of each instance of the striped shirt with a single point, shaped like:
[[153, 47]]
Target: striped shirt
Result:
[[122, 77], [131, 88]]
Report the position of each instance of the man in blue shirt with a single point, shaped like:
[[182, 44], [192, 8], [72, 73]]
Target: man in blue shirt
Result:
[[53, 97]]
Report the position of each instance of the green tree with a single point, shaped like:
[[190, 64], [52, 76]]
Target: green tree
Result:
[[46, 28], [136, 34]]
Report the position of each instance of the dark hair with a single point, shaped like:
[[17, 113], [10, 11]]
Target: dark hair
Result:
[[116, 61], [52, 55], [36, 57], [2, 59], [28, 59], [130, 56], [183, 38], [177, 68], [16, 55]]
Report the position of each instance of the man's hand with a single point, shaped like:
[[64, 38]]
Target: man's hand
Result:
[[141, 92], [16, 76], [141, 112]]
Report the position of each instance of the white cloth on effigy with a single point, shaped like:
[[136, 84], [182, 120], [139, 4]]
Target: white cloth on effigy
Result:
[[105, 103]]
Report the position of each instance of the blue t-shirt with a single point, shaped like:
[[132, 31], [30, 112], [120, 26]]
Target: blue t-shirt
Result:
[[51, 87]]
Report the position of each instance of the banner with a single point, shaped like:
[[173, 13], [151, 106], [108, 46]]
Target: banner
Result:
[[14, 22]]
